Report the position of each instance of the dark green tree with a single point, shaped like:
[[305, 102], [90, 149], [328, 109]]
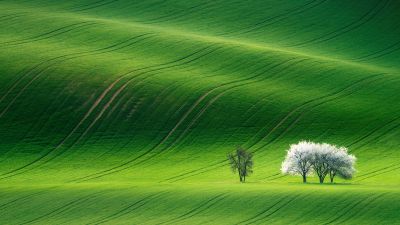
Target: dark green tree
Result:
[[241, 161]]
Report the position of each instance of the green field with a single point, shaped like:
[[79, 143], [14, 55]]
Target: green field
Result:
[[123, 111]]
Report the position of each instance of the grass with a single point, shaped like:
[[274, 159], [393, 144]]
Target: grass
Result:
[[123, 112]]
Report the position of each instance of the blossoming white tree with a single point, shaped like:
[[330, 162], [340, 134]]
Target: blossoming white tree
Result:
[[298, 159], [341, 163], [320, 155], [307, 157]]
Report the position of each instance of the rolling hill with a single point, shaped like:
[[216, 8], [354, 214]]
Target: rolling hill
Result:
[[123, 112]]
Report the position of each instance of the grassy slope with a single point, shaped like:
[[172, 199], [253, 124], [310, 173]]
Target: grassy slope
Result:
[[105, 103]]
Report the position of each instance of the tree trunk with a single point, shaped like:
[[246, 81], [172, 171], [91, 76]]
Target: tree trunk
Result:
[[239, 166], [321, 180], [332, 176], [304, 179]]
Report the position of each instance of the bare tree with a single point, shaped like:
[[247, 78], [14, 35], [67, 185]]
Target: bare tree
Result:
[[241, 161], [298, 159]]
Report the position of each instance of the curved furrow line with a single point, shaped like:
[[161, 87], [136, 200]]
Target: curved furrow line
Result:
[[120, 104], [77, 28], [378, 170], [391, 48], [134, 159], [366, 205], [5, 17], [155, 103], [49, 34], [87, 5], [143, 8], [4, 205], [375, 130], [263, 212], [163, 150], [201, 112], [312, 107], [149, 109], [167, 65], [380, 136], [171, 112], [70, 56], [19, 80], [119, 90], [10, 17], [128, 209], [117, 93], [103, 109], [87, 114], [15, 83], [234, 83], [110, 48], [257, 108], [154, 70], [196, 211], [333, 98], [97, 5], [252, 141], [61, 106], [253, 114], [380, 173], [270, 19], [247, 143], [265, 218], [85, 117], [26, 71], [118, 46], [260, 214], [199, 211], [370, 18], [310, 103], [2, 113], [223, 162], [253, 110], [196, 172], [300, 107], [198, 101], [175, 15], [124, 145], [60, 209], [348, 208], [64, 104], [103, 106], [271, 176], [279, 18], [278, 177], [371, 14], [38, 123], [383, 54]]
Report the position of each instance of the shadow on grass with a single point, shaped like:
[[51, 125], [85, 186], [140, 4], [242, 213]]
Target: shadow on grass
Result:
[[325, 184]]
